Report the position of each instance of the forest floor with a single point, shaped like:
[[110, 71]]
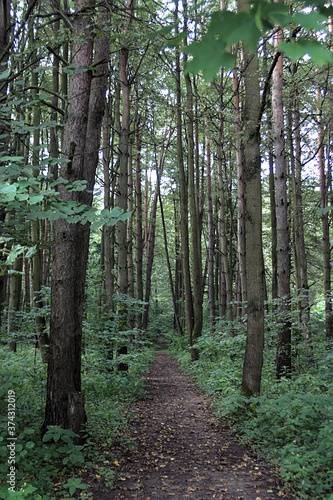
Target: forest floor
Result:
[[182, 451]]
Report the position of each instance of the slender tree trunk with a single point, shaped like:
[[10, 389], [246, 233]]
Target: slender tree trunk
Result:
[[15, 291], [121, 227], [241, 192], [184, 230], [179, 289], [283, 356], [253, 360], [325, 226], [64, 400], [107, 230], [226, 271], [195, 233], [5, 6], [172, 288], [211, 242], [37, 259], [54, 145], [273, 221], [150, 250], [130, 264], [300, 219], [139, 241]]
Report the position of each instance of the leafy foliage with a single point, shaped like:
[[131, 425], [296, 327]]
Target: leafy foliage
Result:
[[228, 28]]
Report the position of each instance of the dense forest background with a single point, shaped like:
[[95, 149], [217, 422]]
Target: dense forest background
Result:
[[166, 175]]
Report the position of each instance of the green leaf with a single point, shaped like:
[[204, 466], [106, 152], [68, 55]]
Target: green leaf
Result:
[[12, 158], [163, 31], [35, 199], [8, 188], [311, 21], [4, 74], [31, 252], [176, 41], [311, 48]]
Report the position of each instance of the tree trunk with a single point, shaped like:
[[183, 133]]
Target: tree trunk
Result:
[[325, 226], [108, 231], [130, 265], [37, 259], [283, 356], [5, 6], [150, 250], [305, 304], [241, 193], [172, 288], [226, 271], [15, 290], [253, 360], [64, 400], [195, 249], [179, 289], [184, 230], [139, 241], [211, 242]]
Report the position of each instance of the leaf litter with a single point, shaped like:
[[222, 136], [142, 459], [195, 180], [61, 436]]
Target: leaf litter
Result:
[[182, 451]]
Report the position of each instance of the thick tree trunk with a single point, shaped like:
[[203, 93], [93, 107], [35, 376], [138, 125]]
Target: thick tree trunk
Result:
[[65, 401], [283, 356], [253, 360]]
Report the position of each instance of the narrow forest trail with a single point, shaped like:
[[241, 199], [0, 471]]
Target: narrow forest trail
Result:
[[182, 451]]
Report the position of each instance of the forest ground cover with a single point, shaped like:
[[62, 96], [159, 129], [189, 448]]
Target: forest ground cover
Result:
[[291, 423], [54, 468], [290, 426]]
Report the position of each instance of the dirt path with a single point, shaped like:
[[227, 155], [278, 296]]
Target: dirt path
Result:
[[182, 451]]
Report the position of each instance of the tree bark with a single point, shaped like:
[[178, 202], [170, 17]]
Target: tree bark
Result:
[[253, 359], [5, 6], [108, 231], [195, 233], [211, 242], [283, 356], [241, 249], [184, 229], [65, 401], [325, 226], [139, 241], [15, 290], [150, 250]]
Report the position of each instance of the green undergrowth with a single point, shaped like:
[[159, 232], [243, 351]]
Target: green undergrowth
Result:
[[291, 423], [56, 468]]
